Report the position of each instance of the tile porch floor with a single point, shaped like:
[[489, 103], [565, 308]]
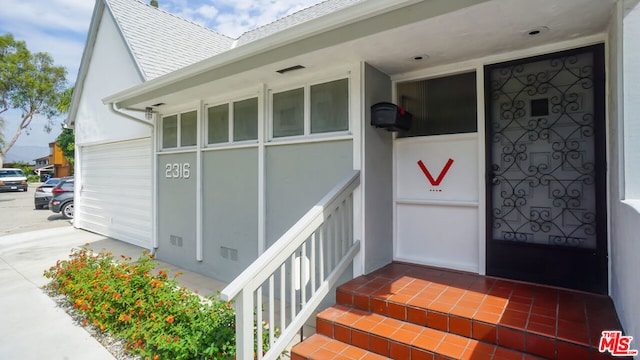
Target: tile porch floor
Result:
[[405, 311]]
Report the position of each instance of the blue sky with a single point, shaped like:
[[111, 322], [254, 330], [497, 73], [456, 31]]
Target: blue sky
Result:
[[59, 27]]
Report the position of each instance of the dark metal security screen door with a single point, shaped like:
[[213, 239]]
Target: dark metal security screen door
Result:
[[546, 200]]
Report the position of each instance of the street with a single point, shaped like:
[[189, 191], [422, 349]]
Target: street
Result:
[[18, 214]]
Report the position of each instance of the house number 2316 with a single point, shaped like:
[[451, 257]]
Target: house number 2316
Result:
[[177, 171]]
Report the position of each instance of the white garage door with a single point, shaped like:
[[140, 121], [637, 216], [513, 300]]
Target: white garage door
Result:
[[115, 191]]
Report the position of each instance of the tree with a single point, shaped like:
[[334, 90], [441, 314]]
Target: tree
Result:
[[66, 141], [30, 84], [154, 3]]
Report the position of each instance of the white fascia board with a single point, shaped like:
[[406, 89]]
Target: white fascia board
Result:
[[84, 63], [350, 15]]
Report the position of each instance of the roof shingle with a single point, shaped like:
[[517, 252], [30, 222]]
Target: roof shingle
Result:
[[162, 42], [297, 18]]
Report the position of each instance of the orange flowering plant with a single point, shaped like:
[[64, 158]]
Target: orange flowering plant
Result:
[[156, 317]]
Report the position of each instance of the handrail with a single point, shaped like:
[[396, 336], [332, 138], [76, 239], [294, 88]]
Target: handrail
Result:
[[326, 233]]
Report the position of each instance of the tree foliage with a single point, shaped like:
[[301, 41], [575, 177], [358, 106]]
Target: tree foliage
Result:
[[66, 141], [31, 84]]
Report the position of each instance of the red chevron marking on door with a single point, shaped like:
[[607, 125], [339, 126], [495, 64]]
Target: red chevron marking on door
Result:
[[444, 171]]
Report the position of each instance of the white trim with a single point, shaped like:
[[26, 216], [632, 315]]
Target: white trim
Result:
[[191, 149], [199, 182], [154, 192], [482, 193], [471, 204], [293, 140], [439, 263], [262, 207], [468, 136], [240, 145]]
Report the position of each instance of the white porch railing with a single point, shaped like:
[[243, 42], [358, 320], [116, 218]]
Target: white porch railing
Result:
[[286, 284]]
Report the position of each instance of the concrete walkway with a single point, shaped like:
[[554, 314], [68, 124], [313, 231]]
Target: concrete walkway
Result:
[[32, 326]]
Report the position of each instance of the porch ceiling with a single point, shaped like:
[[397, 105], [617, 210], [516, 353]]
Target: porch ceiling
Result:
[[476, 31]]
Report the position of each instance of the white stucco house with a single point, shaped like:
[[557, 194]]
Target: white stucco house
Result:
[[521, 162]]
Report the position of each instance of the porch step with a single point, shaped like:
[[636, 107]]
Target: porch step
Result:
[[319, 347], [402, 340], [408, 312]]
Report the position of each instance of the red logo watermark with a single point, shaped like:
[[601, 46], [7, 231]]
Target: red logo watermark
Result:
[[616, 343], [443, 172]]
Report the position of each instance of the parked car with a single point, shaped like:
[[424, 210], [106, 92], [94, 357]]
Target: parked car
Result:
[[13, 179], [62, 198], [42, 195]]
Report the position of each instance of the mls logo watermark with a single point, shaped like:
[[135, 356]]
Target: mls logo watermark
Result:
[[617, 344]]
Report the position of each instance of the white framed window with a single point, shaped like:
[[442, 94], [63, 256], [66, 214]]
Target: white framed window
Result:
[[317, 108], [179, 130], [232, 122]]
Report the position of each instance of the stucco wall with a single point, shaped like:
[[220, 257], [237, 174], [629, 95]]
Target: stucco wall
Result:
[[230, 211], [177, 211], [377, 176], [297, 177], [111, 69]]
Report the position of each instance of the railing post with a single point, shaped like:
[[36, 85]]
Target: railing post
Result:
[[244, 325]]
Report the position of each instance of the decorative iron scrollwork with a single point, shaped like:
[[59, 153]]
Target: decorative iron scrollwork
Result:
[[543, 172]]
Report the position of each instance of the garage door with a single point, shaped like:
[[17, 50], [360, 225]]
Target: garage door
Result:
[[115, 191]]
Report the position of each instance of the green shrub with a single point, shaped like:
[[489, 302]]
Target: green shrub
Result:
[[157, 318], [33, 178]]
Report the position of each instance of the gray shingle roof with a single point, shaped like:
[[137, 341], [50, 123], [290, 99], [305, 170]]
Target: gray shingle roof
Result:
[[162, 42], [300, 17]]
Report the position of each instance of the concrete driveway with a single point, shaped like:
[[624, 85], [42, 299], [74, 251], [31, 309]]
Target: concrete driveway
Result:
[[33, 327], [18, 214]]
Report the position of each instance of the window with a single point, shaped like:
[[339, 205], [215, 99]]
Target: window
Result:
[[327, 110], [180, 130], [189, 129], [170, 132], [241, 117], [245, 120], [218, 124], [445, 105], [288, 113], [330, 107]]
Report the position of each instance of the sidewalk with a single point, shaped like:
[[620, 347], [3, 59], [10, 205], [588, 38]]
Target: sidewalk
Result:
[[33, 327]]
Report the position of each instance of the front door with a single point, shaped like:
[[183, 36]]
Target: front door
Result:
[[546, 171]]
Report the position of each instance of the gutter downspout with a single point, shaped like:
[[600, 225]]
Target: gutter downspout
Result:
[[113, 109], [154, 240]]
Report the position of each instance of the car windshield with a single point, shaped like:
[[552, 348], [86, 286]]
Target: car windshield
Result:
[[11, 172], [55, 181]]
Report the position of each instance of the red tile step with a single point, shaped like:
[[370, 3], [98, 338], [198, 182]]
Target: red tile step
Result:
[[398, 339], [543, 321], [319, 347]]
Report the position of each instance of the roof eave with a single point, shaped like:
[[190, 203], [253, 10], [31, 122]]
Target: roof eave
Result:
[[234, 58]]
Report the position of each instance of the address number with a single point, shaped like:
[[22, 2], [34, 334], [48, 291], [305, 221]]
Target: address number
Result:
[[177, 171]]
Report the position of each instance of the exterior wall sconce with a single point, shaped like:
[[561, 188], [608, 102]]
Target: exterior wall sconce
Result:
[[148, 113]]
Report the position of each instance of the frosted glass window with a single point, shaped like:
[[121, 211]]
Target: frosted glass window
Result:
[[188, 128], [218, 124], [445, 105], [245, 120], [170, 131], [288, 113], [330, 106]]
